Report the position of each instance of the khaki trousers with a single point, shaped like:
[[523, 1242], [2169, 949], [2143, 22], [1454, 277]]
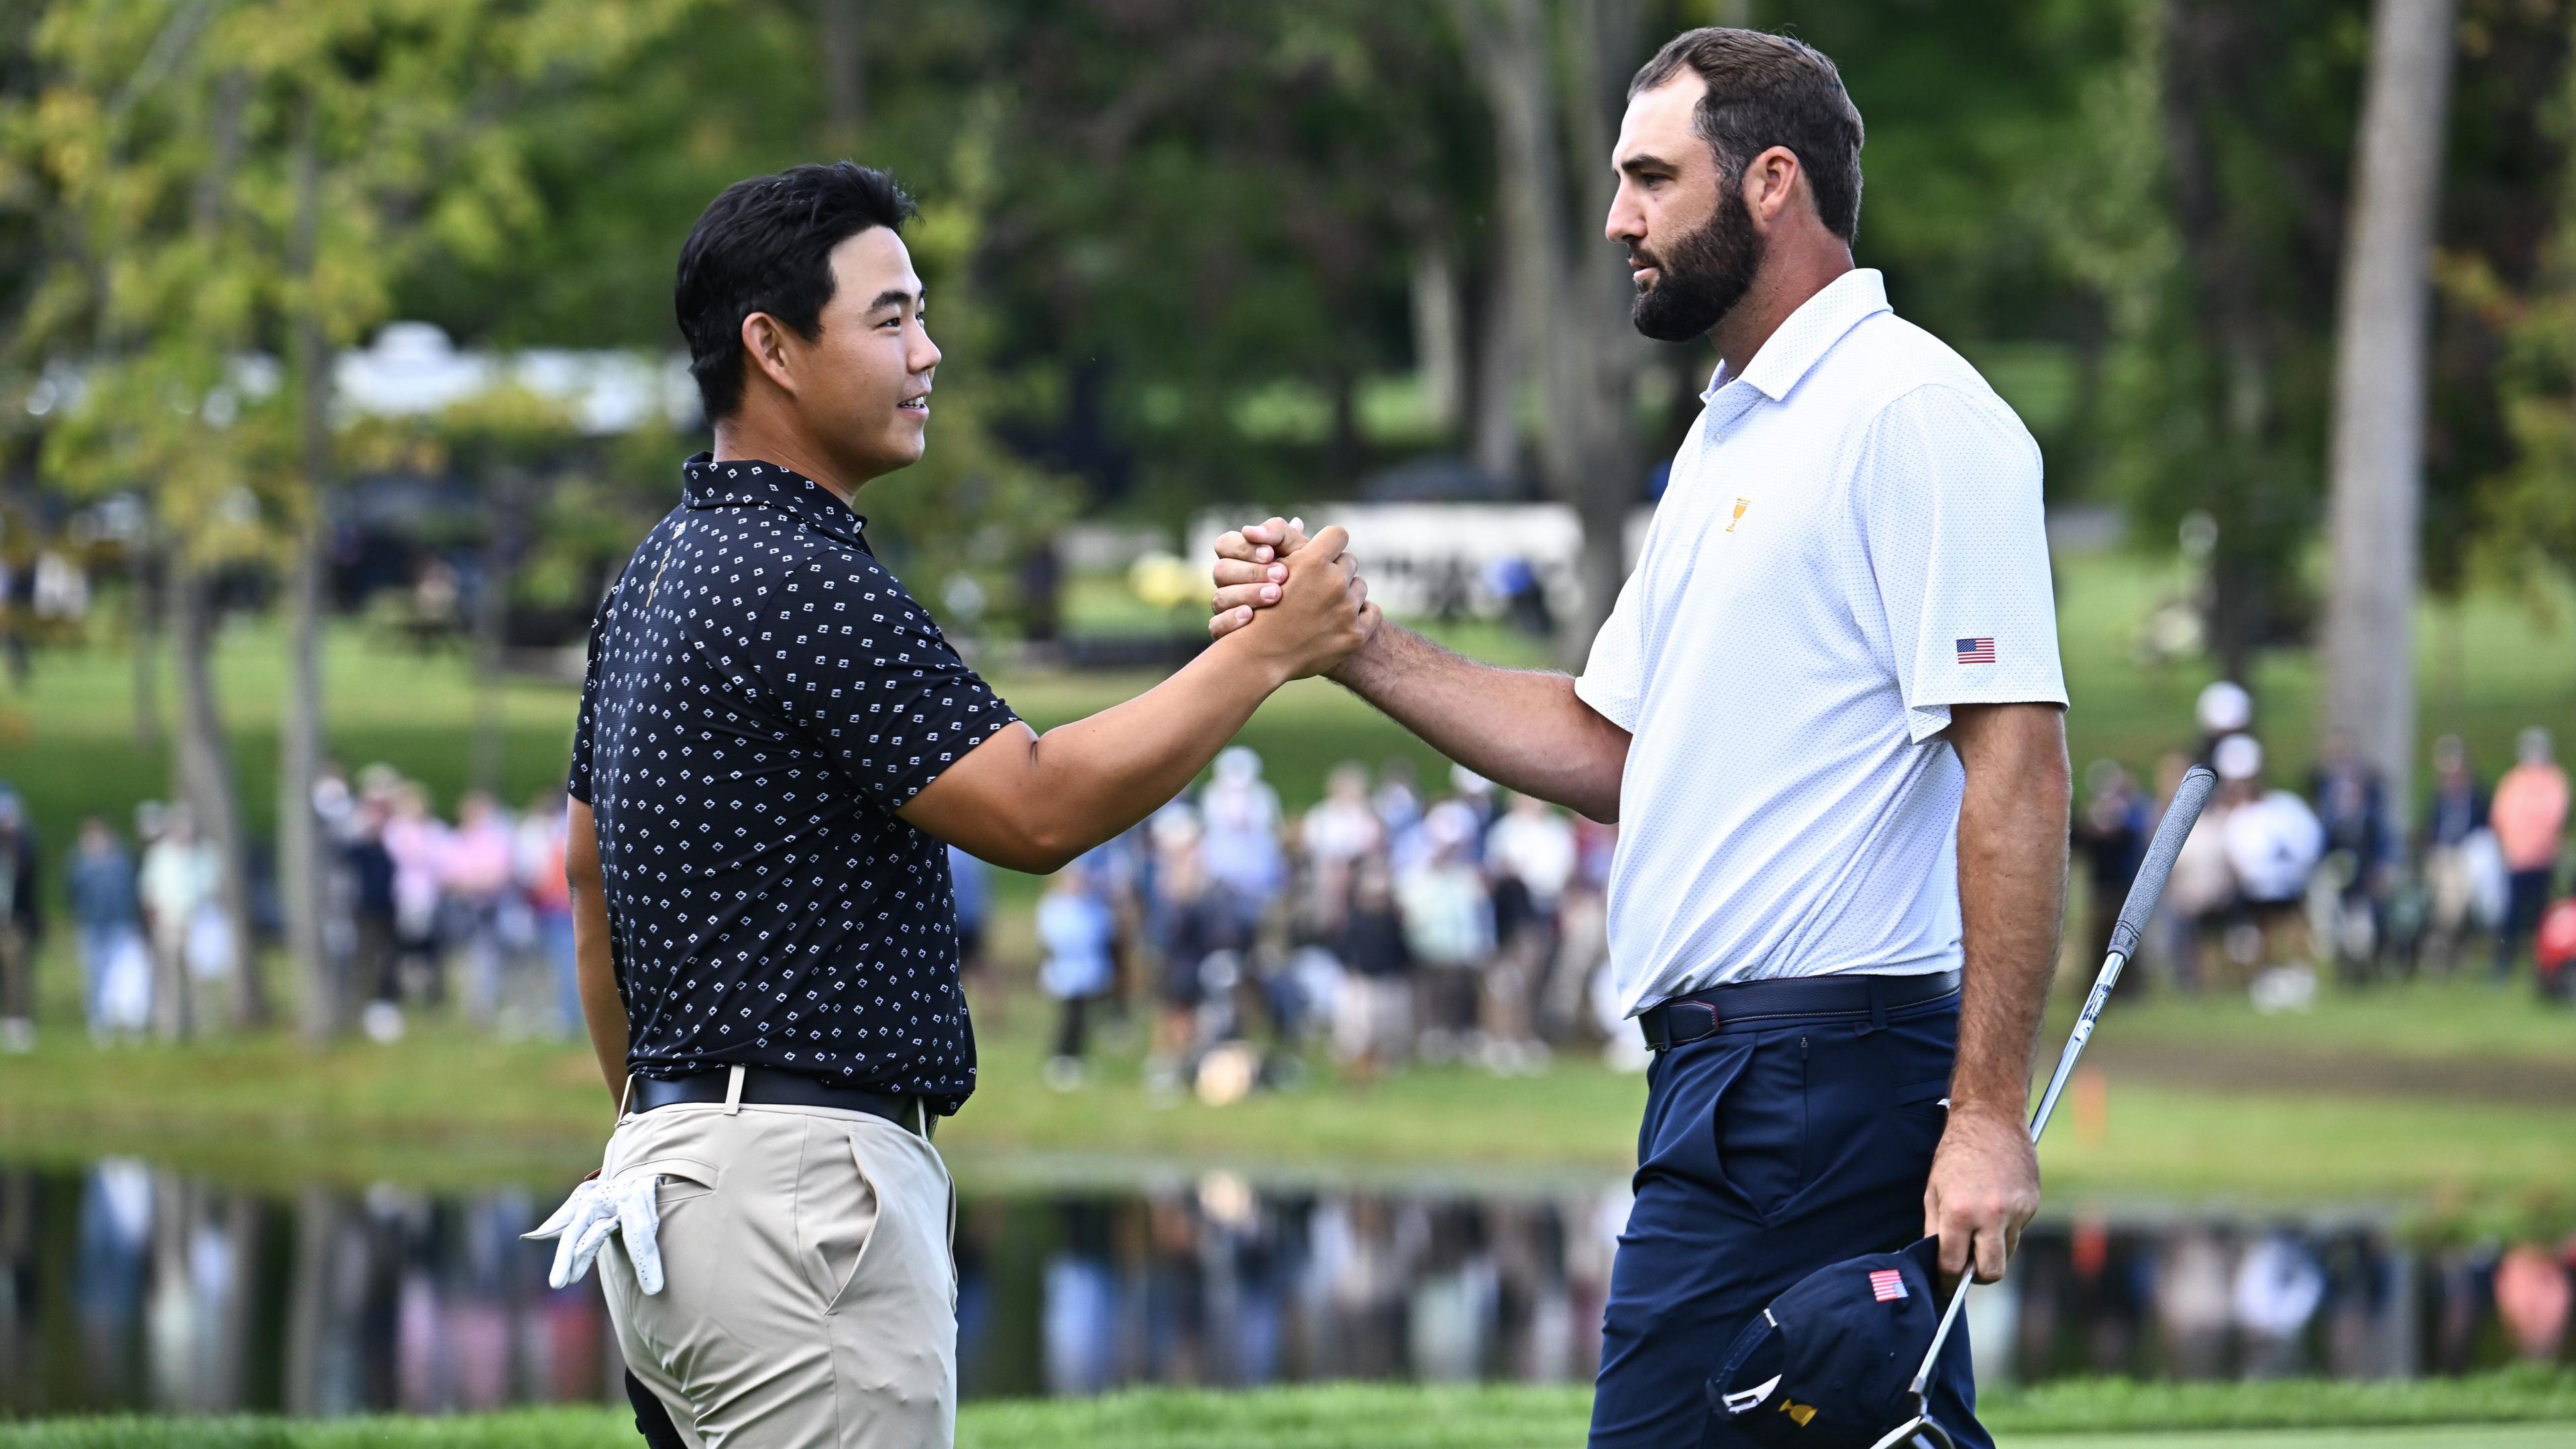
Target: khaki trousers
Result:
[[809, 1295]]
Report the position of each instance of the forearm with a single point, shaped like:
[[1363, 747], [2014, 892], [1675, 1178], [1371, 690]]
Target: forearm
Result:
[[1038, 801], [603, 1011], [2012, 903], [1095, 777], [1522, 728]]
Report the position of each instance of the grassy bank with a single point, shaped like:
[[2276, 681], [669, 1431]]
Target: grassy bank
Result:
[[2193, 1099], [2497, 1411]]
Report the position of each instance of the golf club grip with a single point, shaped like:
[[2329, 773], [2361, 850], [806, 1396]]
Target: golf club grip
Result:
[[2181, 814]]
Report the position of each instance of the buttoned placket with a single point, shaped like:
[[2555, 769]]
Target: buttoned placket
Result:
[[1727, 403]]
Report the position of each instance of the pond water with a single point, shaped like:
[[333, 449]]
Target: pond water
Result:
[[126, 1286]]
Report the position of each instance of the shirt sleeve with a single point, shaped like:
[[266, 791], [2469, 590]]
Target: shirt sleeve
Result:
[[1614, 674], [578, 784], [854, 659], [1947, 493]]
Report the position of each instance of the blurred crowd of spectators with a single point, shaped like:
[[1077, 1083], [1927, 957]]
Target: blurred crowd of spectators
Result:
[[2278, 888], [1389, 923], [418, 906], [414, 908], [1399, 928]]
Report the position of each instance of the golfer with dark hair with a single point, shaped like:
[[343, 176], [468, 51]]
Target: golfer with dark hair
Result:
[[1827, 712], [775, 741]]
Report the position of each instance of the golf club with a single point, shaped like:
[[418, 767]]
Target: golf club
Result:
[[2180, 816]]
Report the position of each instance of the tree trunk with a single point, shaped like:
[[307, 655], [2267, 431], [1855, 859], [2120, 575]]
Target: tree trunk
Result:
[[845, 72], [1588, 368], [205, 783], [1493, 419], [491, 622], [2377, 449], [146, 616], [1439, 335], [1603, 477], [300, 863]]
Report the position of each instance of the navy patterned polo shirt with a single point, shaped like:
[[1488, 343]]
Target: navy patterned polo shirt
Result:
[[761, 697]]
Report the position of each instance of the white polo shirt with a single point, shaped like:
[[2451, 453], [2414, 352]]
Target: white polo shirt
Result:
[[1851, 543]]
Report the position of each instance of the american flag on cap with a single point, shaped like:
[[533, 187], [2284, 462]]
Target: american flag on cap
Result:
[[1977, 651], [1886, 1285]]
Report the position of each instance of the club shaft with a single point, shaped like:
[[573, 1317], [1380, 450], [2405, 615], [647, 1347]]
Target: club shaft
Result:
[[2075, 1042], [2181, 814]]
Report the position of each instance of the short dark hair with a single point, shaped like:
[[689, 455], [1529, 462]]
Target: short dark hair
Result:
[[1767, 90], [765, 245]]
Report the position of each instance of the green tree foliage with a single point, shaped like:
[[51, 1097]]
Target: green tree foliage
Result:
[[1174, 246], [229, 184], [2529, 518], [2198, 196]]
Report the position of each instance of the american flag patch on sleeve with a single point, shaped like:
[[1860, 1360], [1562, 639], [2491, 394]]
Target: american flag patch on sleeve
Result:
[[1886, 1285], [1976, 651]]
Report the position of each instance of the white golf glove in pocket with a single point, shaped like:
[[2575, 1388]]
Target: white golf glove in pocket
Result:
[[627, 1207]]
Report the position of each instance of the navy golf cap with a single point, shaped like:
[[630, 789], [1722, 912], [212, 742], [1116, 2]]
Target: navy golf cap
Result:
[[1831, 1363]]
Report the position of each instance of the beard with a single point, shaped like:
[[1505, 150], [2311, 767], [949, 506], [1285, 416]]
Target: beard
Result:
[[1703, 275]]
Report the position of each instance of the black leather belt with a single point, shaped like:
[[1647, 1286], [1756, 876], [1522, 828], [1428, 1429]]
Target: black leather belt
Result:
[[765, 1087], [1805, 998]]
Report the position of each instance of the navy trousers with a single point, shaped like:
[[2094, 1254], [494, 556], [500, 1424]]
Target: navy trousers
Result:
[[1768, 1151]]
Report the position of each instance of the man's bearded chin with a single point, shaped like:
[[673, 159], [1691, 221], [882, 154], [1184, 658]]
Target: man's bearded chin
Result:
[[1702, 276]]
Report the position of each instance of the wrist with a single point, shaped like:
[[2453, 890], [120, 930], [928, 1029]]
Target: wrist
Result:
[[1239, 652], [1985, 1110], [1356, 665]]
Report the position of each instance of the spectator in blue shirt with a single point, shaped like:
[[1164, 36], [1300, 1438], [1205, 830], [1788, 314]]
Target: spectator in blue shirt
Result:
[[1076, 928], [107, 914]]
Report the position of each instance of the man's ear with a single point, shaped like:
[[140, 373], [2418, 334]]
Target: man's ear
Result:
[[1772, 184], [766, 340]]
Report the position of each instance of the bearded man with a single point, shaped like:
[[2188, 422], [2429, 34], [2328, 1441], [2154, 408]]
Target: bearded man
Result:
[[1828, 712]]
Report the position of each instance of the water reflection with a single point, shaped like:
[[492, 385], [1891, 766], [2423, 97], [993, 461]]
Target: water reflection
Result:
[[124, 1286]]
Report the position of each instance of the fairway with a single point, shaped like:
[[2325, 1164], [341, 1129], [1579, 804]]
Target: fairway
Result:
[[2439, 1436], [2512, 1410]]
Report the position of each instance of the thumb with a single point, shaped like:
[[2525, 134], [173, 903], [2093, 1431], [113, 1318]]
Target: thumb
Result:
[[1324, 547]]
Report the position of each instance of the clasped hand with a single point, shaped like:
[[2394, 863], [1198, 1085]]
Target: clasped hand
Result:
[[1314, 604]]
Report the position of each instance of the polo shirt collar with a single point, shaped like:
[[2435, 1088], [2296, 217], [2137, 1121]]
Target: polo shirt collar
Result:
[[1810, 332], [751, 483]]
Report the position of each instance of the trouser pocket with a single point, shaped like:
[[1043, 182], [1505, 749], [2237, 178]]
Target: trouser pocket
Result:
[[837, 1212], [1760, 1123]]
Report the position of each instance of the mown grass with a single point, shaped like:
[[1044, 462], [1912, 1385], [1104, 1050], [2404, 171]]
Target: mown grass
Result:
[[2515, 1408]]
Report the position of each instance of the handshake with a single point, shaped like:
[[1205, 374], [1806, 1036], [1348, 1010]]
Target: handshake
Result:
[[1297, 601]]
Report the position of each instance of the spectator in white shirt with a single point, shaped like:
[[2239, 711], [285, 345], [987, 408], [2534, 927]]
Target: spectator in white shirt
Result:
[[1340, 829], [1448, 929], [2273, 845], [178, 882], [1535, 843]]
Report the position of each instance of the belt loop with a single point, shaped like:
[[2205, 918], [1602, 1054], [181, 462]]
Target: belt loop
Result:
[[733, 1092], [921, 1114], [1877, 1003], [625, 1096]]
